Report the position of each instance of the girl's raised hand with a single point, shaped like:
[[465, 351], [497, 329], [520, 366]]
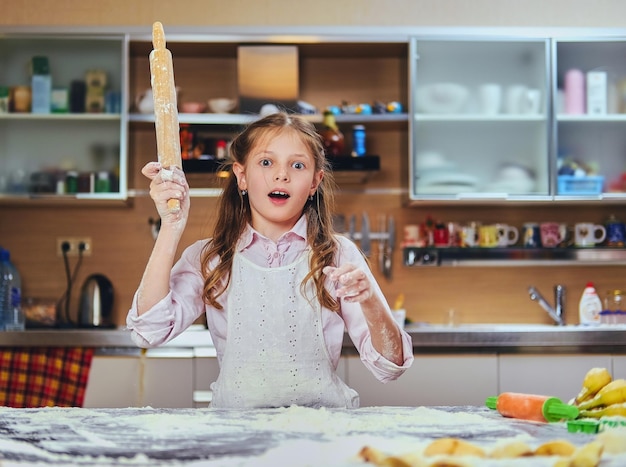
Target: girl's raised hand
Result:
[[352, 284], [168, 184]]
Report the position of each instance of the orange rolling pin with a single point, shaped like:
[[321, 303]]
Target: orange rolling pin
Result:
[[531, 407], [165, 105]]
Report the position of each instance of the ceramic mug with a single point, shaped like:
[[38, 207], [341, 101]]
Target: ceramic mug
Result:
[[531, 102], [20, 99], [514, 98], [490, 96], [469, 236], [507, 235], [488, 236], [588, 234], [412, 236], [441, 236], [551, 234], [615, 234], [532, 235]]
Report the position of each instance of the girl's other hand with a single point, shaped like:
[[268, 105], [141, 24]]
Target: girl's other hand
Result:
[[168, 184], [352, 284]]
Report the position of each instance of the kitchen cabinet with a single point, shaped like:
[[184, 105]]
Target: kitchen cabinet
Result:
[[518, 150], [431, 380], [37, 150], [330, 71], [619, 367], [591, 115], [115, 380], [553, 375], [480, 121], [159, 377], [168, 378]]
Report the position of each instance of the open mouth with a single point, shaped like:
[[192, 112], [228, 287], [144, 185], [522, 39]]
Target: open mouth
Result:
[[279, 195]]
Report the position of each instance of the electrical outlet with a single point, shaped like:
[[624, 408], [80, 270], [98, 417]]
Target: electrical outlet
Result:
[[74, 244]]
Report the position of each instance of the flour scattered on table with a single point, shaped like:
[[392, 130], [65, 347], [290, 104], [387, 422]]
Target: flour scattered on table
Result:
[[294, 436]]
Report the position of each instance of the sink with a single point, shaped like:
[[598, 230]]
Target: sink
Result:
[[510, 327]]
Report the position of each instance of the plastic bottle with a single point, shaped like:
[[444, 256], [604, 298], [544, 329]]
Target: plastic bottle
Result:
[[4, 288], [590, 306], [10, 294], [531, 407]]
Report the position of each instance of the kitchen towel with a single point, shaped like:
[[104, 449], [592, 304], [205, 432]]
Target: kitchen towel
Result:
[[44, 376]]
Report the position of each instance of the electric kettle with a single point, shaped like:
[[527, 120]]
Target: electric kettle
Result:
[[96, 302]]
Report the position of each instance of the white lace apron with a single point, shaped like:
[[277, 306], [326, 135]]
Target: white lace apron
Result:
[[275, 353]]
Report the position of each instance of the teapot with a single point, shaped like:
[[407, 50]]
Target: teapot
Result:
[[144, 101]]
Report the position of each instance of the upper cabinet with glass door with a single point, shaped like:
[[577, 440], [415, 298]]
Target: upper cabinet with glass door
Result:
[[68, 141], [590, 122], [480, 126]]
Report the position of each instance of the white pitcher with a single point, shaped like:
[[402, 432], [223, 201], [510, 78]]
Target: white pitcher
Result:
[[144, 101]]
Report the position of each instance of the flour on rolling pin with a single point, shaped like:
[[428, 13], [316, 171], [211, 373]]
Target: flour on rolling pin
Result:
[[165, 105]]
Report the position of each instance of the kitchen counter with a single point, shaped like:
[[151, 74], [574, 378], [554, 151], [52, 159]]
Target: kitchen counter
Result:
[[471, 338], [294, 436]]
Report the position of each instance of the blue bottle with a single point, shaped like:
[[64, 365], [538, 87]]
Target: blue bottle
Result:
[[358, 141]]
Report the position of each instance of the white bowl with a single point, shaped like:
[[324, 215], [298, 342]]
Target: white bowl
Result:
[[441, 98], [222, 105]]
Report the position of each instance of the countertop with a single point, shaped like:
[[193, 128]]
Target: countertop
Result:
[[294, 436], [471, 338]]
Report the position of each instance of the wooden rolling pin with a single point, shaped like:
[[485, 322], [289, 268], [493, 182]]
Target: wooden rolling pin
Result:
[[165, 105]]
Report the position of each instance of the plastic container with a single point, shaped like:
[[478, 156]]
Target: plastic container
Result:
[[532, 407], [590, 306], [573, 185], [10, 294]]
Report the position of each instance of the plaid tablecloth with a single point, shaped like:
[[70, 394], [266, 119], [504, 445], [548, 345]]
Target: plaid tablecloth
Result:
[[44, 376]]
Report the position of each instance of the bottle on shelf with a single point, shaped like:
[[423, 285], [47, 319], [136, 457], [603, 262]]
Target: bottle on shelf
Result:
[[332, 136], [358, 141], [10, 295], [590, 306]]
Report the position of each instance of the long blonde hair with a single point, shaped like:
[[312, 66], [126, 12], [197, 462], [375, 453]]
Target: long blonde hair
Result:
[[234, 210]]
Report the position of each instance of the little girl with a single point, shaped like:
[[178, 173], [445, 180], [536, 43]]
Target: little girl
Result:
[[279, 287]]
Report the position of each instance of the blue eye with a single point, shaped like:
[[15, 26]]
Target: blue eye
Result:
[[266, 162], [298, 165]]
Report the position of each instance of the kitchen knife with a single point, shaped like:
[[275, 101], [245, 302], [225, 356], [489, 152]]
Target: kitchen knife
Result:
[[366, 244], [382, 242], [352, 226], [391, 243]]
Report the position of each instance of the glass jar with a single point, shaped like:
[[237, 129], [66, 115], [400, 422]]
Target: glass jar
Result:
[[613, 307]]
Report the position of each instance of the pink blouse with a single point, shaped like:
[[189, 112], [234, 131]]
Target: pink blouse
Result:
[[184, 305]]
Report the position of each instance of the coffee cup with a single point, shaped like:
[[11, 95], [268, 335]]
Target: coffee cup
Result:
[[514, 98], [488, 236], [20, 99], [469, 236], [441, 236], [412, 236], [507, 235], [615, 234], [490, 96], [588, 234], [532, 235], [531, 102], [551, 234]]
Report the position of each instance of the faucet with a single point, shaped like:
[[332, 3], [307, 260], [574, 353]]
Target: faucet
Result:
[[555, 313]]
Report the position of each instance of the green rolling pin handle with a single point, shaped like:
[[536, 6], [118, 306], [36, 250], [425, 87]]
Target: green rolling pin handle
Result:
[[554, 410]]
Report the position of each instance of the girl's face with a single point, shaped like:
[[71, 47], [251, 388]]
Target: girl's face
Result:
[[280, 176]]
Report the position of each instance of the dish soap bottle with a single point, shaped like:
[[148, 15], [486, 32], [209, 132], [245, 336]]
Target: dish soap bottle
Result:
[[590, 306]]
